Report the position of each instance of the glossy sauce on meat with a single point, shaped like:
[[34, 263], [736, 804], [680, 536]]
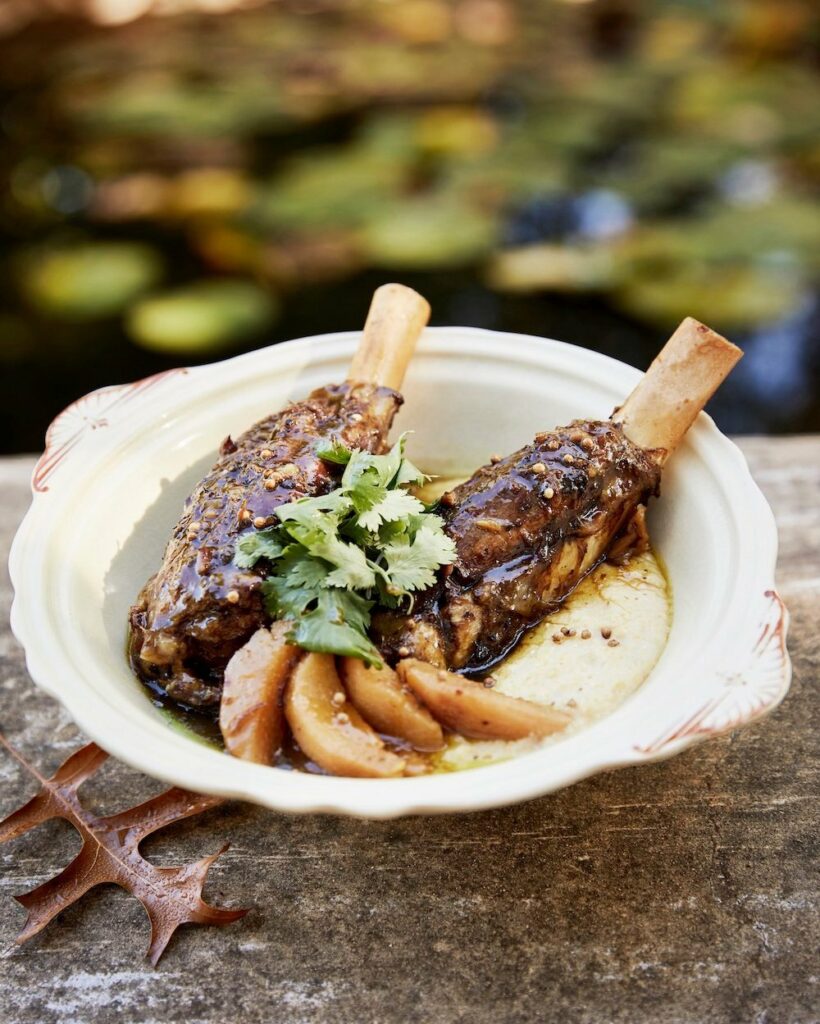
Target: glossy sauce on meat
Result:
[[199, 608], [527, 529]]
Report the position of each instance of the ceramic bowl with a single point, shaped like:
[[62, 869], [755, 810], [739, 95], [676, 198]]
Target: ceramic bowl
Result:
[[120, 461]]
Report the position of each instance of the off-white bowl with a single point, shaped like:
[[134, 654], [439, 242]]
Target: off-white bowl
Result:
[[119, 462]]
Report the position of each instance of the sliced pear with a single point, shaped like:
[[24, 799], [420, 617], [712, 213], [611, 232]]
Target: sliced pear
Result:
[[378, 694], [329, 729], [250, 713], [469, 708]]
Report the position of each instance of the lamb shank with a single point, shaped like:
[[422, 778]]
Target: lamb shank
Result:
[[199, 608], [529, 527]]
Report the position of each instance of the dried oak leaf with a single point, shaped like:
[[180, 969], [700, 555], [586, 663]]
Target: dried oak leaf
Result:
[[110, 852]]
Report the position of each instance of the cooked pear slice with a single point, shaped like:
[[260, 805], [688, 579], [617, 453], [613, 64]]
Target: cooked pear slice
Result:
[[469, 708], [378, 694], [250, 713], [329, 729]]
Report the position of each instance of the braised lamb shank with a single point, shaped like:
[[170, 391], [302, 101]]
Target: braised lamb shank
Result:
[[529, 527], [200, 608], [526, 530]]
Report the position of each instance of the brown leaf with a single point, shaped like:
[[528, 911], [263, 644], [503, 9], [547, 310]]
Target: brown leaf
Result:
[[110, 852]]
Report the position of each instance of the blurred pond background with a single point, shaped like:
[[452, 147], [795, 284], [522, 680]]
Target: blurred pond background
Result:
[[189, 179]]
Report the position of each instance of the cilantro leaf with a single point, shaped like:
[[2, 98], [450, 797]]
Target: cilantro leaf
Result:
[[358, 535], [333, 450], [352, 568], [310, 511], [409, 475], [301, 570], [411, 565], [297, 582], [395, 505], [367, 477], [320, 538], [337, 625], [436, 545], [259, 544], [362, 482]]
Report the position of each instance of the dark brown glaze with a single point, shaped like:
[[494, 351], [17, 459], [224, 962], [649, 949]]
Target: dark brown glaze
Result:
[[199, 608], [526, 529]]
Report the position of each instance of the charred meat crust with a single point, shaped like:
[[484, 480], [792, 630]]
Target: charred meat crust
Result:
[[527, 528], [199, 608]]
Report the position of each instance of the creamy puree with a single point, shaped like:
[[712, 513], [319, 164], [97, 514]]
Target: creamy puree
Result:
[[587, 676]]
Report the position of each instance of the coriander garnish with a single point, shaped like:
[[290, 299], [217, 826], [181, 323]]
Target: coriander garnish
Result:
[[332, 558]]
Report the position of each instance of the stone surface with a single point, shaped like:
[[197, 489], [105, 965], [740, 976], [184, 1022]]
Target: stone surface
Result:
[[683, 892]]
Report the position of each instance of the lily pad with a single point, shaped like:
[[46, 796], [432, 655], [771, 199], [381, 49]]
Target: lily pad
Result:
[[428, 232], [202, 318], [87, 281]]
